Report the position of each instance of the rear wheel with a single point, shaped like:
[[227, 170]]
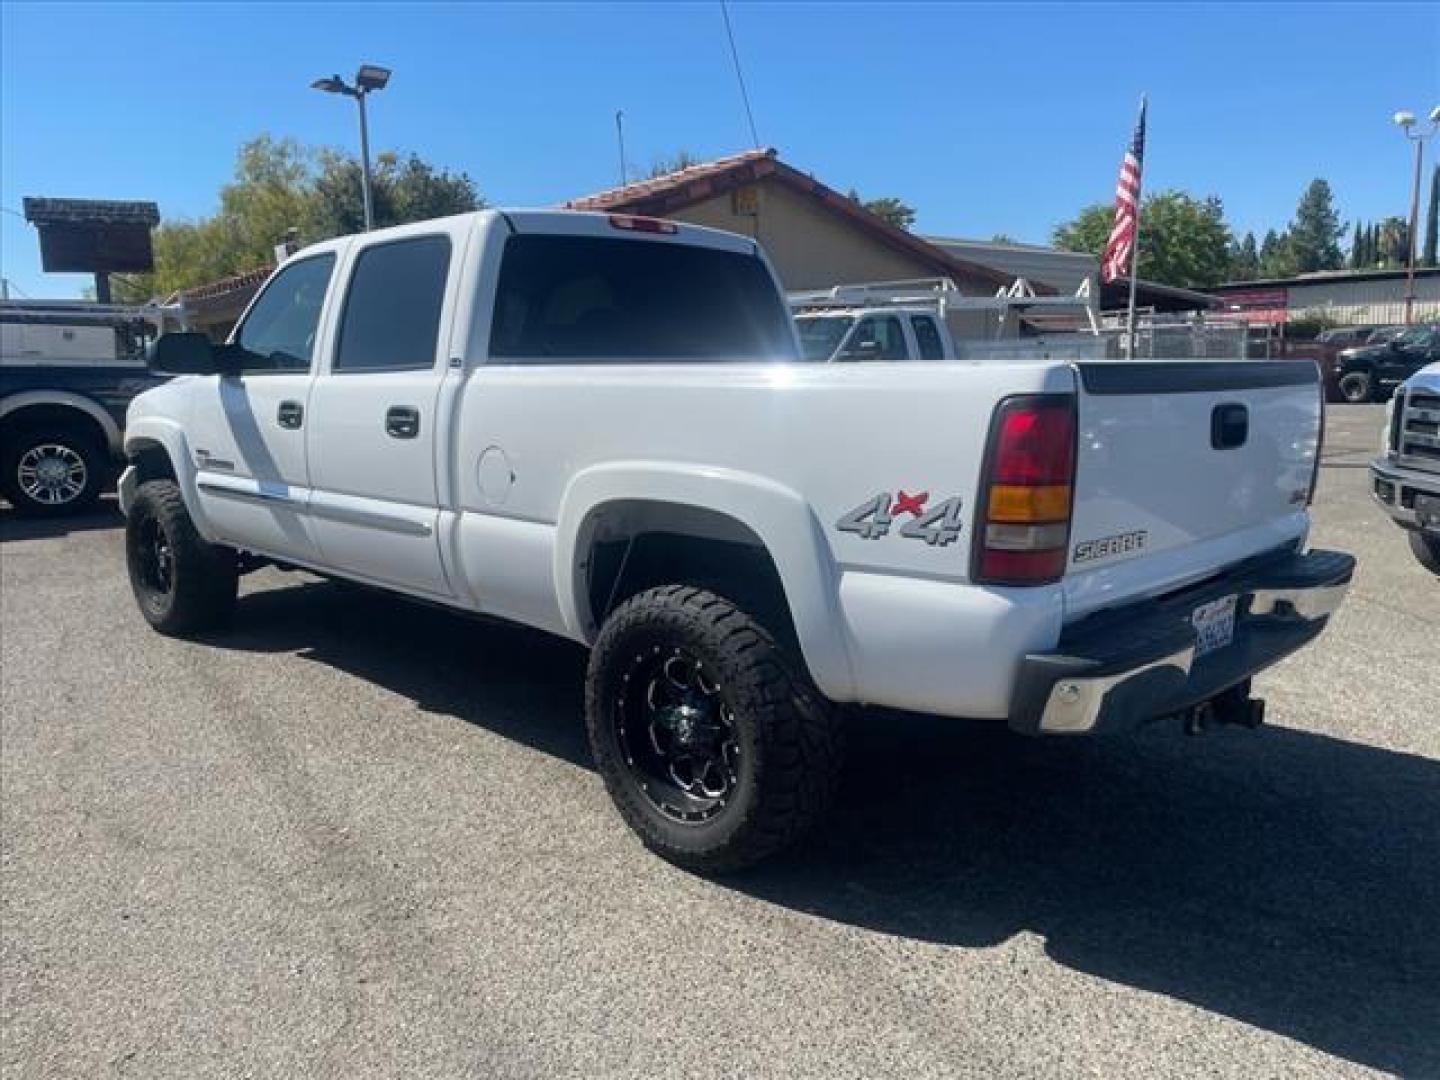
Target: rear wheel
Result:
[[714, 746], [1356, 387], [1427, 550], [183, 584], [48, 472]]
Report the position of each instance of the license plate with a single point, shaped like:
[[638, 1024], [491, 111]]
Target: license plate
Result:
[[1427, 510], [1214, 625]]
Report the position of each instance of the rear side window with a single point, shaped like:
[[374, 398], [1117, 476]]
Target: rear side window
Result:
[[927, 338], [278, 334], [392, 311], [580, 299]]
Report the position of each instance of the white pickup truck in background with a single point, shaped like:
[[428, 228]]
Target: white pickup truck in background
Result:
[[1406, 475], [596, 425]]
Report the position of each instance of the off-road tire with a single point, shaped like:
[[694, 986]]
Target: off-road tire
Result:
[[1357, 387], [790, 738], [92, 455], [1427, 551], [204, 577]]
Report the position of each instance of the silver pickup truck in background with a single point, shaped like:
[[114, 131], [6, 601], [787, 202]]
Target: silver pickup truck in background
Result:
[[1406, 475]]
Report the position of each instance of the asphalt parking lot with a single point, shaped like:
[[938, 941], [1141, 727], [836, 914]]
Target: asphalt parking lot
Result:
[[354, 837]]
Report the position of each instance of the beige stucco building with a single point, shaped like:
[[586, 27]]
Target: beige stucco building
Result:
[[815, 236]]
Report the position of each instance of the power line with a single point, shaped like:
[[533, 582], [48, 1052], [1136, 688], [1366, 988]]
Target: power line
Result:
[[739, 75]]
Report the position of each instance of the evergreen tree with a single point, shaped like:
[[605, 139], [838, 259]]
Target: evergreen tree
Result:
[[1275, 258], [1315, 232], [1432, 220], [1357, 248], [1244, 259], [1393, 242]]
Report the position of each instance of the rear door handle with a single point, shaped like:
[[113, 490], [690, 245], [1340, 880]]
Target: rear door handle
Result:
[[402, 422], [291, 414]]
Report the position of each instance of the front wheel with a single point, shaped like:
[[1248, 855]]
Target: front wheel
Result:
[[1427, 551], [712, 742], [1356, 387], [183, 584]]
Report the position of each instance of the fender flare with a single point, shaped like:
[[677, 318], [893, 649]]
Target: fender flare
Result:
[[778, 515], [66, 399], [171, 437]]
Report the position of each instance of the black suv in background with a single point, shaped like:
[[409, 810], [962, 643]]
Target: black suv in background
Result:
[[1346, 337], [1371, 372]]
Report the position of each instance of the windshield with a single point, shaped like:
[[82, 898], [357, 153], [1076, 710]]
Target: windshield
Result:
[[820, 335], [1416, 335]]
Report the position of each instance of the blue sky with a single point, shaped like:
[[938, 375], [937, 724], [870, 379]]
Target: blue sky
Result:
[[986, 119]]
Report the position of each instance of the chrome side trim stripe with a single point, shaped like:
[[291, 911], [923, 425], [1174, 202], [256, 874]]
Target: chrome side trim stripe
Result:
[[246, 494], [371, 519]]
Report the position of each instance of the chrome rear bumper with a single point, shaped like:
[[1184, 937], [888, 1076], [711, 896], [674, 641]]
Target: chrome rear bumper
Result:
[[1135, 663]]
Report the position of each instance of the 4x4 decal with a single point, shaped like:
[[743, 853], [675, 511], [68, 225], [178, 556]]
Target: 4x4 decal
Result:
[[937, 526]]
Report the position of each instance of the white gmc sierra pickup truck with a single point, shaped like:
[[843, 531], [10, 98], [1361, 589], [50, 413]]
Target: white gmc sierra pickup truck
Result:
[[600, 426]]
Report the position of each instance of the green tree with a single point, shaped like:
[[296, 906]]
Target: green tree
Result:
[[1276, 261], [1392, 244], [1315, 231], [664, 166], [281, 185], [1244, 259], [1087, 231], [1357, 247], [1184, 241], [1432, 220], [402, 190], [887, 208]]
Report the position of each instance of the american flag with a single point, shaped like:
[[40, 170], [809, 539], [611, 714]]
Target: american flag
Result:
[[1115, 263]]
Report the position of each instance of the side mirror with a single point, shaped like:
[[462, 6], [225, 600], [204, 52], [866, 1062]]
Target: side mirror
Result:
[[186, 353], [862, 350]]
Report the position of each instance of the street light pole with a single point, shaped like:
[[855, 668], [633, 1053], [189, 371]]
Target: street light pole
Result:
[[366, 182], [1405, 120], [369, 77]]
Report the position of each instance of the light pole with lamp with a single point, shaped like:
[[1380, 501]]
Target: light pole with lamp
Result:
[[1405, 121], [369, 77]]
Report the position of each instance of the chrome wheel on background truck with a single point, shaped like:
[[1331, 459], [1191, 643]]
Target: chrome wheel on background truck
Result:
[[50, 472]]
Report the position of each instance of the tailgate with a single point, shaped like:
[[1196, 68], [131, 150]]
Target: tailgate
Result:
[[1183, 468]]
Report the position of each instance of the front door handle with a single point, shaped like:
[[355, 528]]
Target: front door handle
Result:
[[402, 422], [291, 414]]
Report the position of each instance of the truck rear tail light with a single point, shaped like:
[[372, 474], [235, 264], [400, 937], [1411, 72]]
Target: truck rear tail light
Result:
[[643, 224], [1029, 491]]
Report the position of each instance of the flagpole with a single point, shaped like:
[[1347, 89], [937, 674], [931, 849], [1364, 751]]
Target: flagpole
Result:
[[1135, 254]]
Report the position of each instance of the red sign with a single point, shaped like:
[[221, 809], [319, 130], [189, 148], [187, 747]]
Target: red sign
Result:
[[1255, 305]]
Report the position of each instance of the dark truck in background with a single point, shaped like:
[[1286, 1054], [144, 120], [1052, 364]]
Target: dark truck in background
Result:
[[1371, 372], [68, 371]]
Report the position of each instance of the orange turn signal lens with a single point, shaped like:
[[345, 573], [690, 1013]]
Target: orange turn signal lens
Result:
[[1012, 502]]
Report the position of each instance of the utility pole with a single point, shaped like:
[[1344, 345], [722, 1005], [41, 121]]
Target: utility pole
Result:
[[620, 138], [1405, 121]]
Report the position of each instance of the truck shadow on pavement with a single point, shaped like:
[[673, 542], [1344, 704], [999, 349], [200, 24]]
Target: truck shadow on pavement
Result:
[[1284, 879], [13, 526]]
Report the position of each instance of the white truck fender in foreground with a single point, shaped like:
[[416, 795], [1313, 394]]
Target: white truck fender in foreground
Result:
[[779, 517]]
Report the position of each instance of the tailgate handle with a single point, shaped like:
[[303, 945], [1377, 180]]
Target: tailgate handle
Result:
[[1229, 425]]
